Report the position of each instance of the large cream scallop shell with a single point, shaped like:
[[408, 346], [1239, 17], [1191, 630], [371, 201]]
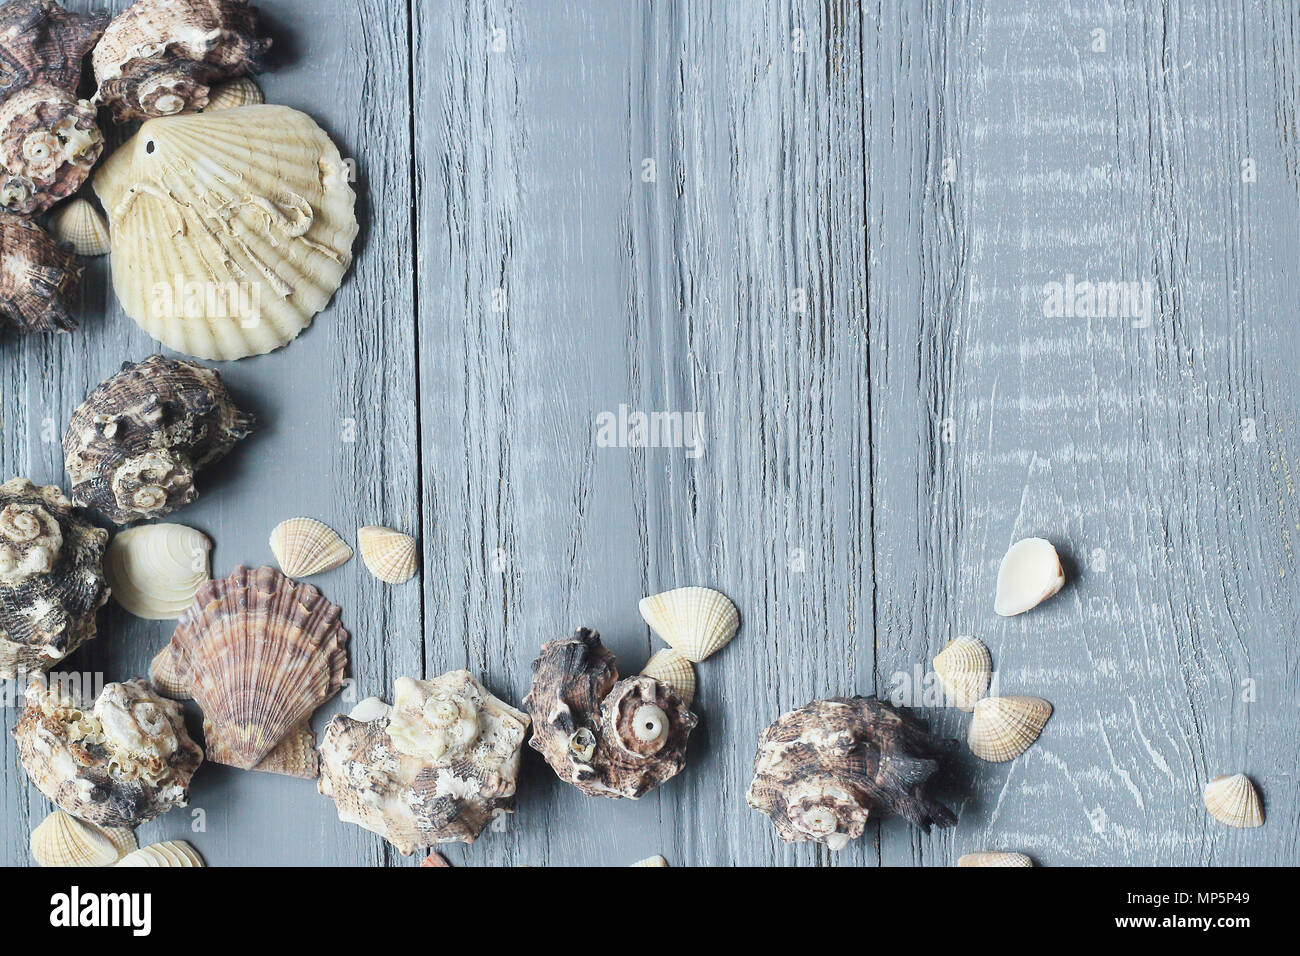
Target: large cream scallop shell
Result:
[[1233, 799], [965, 668], [390, 555], [81, 226], [230, 230], [170, 853], [305, 546], [698, 622], [671, 667], [1029, 574], [241, 91], [63, 840], [155, 570], [995, 859], [1004, 727]]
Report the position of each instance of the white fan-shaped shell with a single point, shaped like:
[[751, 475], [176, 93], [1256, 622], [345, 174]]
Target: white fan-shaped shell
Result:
[[241, 91], [650, 861], [1029, 574], [63, 840], [698, 622], [230, 230], [965, 668], [170, 853], [994, 859], [305, 546], [671, 667], [1233, 799], [155, 570], [390, 555], [1004, 727], [80, 225]]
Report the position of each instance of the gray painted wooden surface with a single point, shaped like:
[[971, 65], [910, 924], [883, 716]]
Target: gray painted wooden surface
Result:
[[840, 262]]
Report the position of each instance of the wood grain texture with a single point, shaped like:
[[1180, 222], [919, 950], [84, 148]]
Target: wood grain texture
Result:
[[827, 228]]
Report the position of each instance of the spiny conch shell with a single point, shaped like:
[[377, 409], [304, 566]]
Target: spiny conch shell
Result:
[[232, 95], [994, 859], [259, 653], [229, 230], [821, 769], [63, 840], [37, 278], [1233, 799], [305, 546], [156, 569], [119, 763], [80, 225], [609, 738], [437, 767], [390, 555], [671, 667], [51, 578], [1029, 574], [158, 57], [965, 668], [170, 853], [650, 861], [1004, 727], [697, 622], [48, 137], [133, 446]]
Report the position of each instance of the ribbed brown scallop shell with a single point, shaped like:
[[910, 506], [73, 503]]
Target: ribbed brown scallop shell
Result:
[[37, 278]]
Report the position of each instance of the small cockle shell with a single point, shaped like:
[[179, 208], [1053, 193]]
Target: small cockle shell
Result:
[[1030, 573], [671, 667], [305, 546], [155, 570], [81, 226], [1233, 799], [994, 859], [234, 94], [1004, 727], [965, 668], [63, 840], [170, 853], [37, 278], [390, 555], [650, 861], [697, 622]]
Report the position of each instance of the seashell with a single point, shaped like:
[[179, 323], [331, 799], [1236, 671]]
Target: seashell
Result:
[[436, 768], [994, 859], [229, 230], [670, 667], [1004, 727], [155, 570], [51, 578], [965, 668], [259, 653], [119, 763], [80, 225], [133, 446], [304, 546], [63, 840], [650, 861], [294, 756], [435, 859], [170, 853], [168, 675], [1030, 573], [821, 769], [372, 708], [390, 555], [48, 138], [234, 94], [697, 622], [1233, 799], [609, 738], [159, 57], [37, 278]]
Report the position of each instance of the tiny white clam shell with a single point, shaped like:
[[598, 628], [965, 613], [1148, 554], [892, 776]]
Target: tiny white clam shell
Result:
[[305, 546], [155, 570], [372, 708], [1030, 573], [669, 666], [82, 226], [650, 861], [241, 91], [390, 555], [63, 840], [170, 853], [1004, 727], [695, 621], [995, 859], [1233, 799], [965, 668]]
